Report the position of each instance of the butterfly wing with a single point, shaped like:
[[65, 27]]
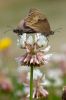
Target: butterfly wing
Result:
[[38, 22]]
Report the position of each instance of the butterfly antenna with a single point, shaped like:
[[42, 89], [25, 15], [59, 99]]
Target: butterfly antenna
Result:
[[10, 29], [57, 30], [7, 30]]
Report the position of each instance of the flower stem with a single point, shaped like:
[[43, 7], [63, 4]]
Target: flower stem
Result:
[[31, 83]]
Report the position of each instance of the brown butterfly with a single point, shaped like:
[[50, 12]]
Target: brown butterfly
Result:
[[35, 22]]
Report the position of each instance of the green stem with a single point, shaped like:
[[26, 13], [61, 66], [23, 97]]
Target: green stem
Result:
[[31, 83]]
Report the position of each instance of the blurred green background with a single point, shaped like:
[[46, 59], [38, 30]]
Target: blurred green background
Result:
[[12, 11]]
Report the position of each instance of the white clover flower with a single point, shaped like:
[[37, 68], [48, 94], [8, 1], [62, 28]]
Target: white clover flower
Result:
[[21, 41], [37, 39], [29, 40], [38, 92], [36, 74], [42, 41], [37, 36], [38, 81], [34, 55]]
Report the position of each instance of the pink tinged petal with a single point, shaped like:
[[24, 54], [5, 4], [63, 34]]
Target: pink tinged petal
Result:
[[43, 91], [34, 93], [36, 60], [31, 61], [21, 58], [40, 56], [28, 47], [27, 50], [27, 58], [37, 94]]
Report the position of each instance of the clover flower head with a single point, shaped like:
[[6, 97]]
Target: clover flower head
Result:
[[33, 44], [38, 89], [38, 81], [34, 55]]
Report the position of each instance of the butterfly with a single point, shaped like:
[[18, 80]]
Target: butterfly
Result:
[[35, 22]]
